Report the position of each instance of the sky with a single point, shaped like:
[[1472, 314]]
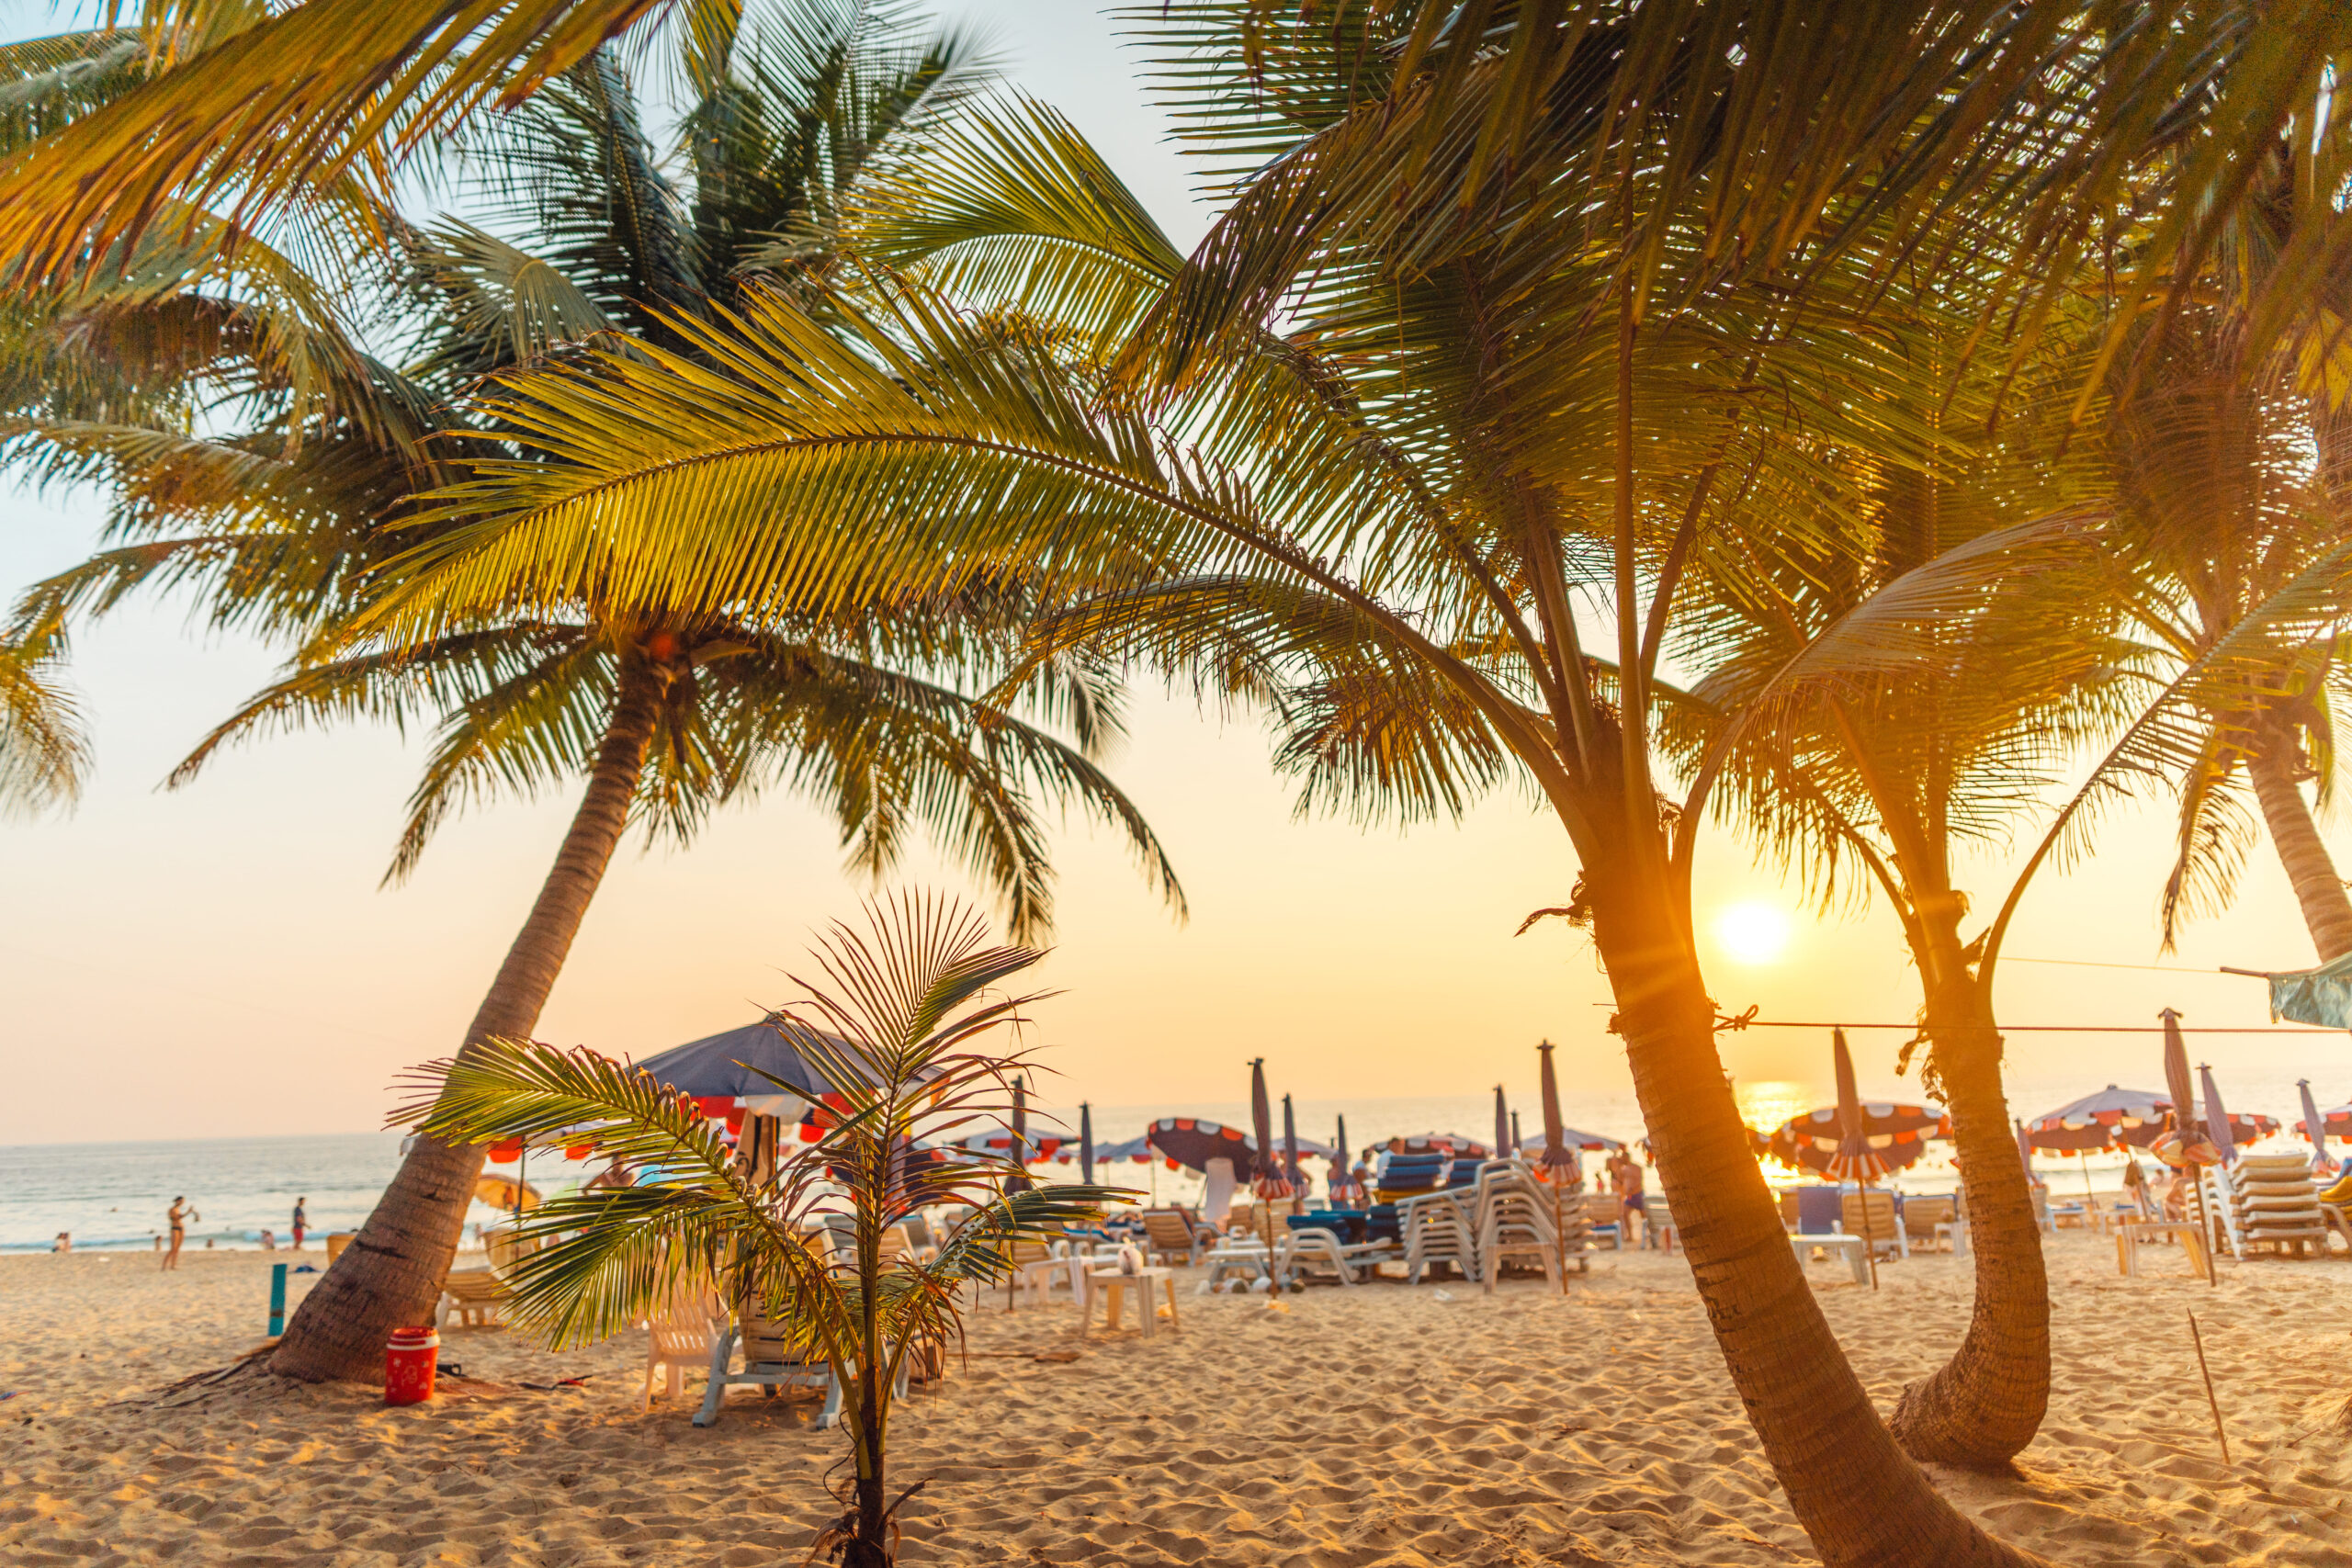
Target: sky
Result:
[[220, 960]]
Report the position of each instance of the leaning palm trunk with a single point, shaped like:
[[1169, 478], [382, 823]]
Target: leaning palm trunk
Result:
[[2327, 912], [390, 1275], [1857, 1495], [1984, 1405]]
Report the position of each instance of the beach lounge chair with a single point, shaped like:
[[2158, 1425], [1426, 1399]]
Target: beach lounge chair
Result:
[[1820, 1209], [1932, 1221], [1304, 1251], [2268, 1201], [478, 1298], [1657, 1225], [1437, 1231], [1407, 1176], [678, 1336], [772, 1363], [1604, 1221], [1174, 1236], [1870, 1215], [1514, 1221]]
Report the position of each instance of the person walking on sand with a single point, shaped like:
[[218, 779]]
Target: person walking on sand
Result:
[[179, 1216], [301, 1222]]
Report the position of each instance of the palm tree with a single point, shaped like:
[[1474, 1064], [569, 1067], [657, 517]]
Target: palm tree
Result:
[[306, 523], [1877, 779], [43, 752], [2231, 490], [884, 1025], [1379, 521]]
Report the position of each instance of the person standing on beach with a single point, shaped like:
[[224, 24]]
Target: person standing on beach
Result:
[[179, 1216], [301, 1222], [1627, 1171]]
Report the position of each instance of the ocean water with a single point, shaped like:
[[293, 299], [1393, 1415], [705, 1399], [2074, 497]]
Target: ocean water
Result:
[[115, 1195]]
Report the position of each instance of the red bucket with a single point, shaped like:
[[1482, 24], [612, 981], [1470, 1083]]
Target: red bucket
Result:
[[410, 1362]]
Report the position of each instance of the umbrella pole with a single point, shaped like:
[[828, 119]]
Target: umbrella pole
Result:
[[1869, 1235], [521, 1170], [1559, 1236]]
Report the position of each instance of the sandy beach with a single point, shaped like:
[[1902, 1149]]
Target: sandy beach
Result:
[[1382, 1426]]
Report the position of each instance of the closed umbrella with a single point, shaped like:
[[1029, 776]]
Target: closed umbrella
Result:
[[2217, 1120], [1086, 1142], [1018, 1181], [1855, 1159], [2314, 1126], [1290, 1157], [1271, 1183], [1345, 1190], [2184, 1145], [1516, 1147], [1502, 1125], [1559, 1158]]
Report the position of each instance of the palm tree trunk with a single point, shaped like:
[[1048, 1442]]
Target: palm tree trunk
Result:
[[1984, 1405], [2327, 912], [1861, 1498], [390, 1275]]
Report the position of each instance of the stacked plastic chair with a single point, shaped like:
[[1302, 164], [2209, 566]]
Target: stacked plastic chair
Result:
[[1513, 1215], [1431, 1218], [2268, 1201]]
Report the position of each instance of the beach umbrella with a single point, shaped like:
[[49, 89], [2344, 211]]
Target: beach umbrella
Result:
[[1290, 1157], [1516, 1147], [2314, 1127], [1086, 1142], [2102, 1121], [2217, 1115], [1454, 1144], [506, 1192], [1559, 1157], [1192, 1141], [1137, 1150], [717, 1070], [1502, 1125], [1574, 1142], [1893, 1134]]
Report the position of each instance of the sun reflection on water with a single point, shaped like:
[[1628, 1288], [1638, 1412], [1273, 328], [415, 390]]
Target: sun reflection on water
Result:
[[1765, 1103]]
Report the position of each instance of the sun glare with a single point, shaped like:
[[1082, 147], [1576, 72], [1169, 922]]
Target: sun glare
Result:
[[1753, 933]]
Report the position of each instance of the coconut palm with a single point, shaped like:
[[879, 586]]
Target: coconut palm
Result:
[[1377, 521], [302, 519], [2231, 490], [43, 752], [895, 1021], [1875, 782]]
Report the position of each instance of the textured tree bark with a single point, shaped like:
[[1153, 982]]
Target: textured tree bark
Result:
[[2327, 911], [390, 1275], [1984, 1405], [1861, 1498]]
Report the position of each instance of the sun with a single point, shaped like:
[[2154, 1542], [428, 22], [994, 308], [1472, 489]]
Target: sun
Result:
[[1753, 933]]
